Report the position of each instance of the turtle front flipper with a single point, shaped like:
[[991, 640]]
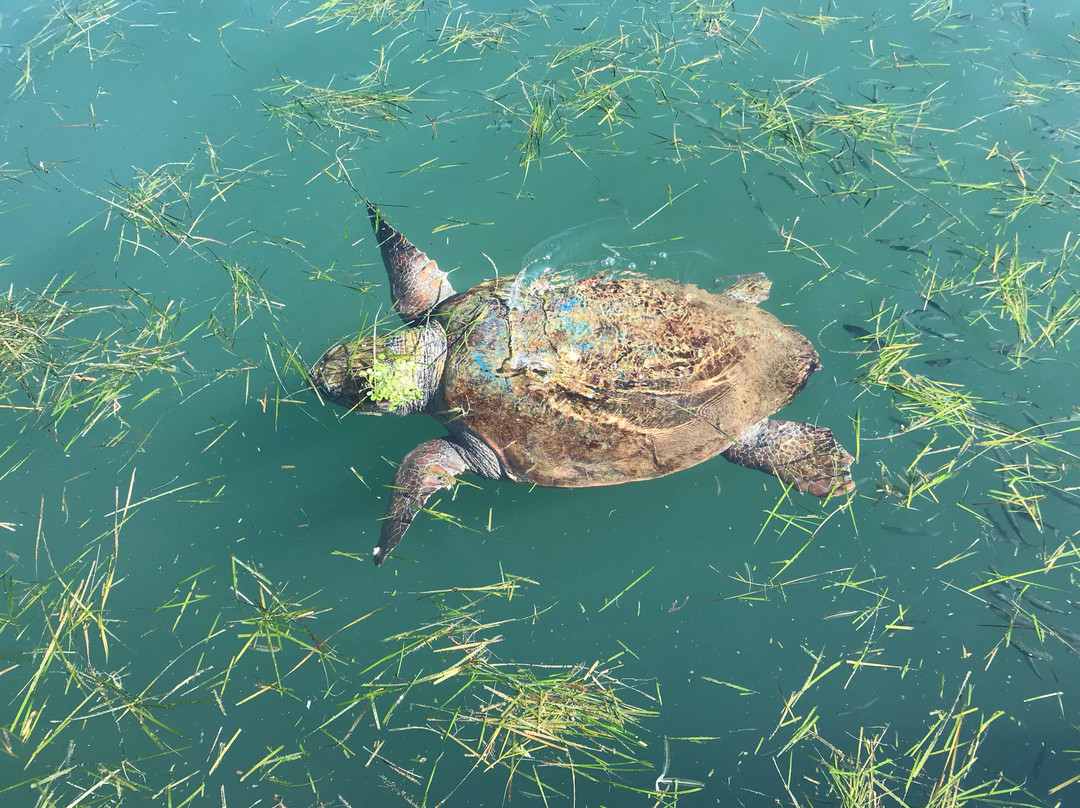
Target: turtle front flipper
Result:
[[803, 455], [428, 468], [417, 285]]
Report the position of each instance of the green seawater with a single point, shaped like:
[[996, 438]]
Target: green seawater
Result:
[[189, 612]]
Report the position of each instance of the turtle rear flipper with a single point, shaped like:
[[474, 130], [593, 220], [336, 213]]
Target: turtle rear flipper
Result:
[[803, 455]]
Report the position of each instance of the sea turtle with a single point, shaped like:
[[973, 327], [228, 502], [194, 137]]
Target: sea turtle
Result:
[[576, 379]]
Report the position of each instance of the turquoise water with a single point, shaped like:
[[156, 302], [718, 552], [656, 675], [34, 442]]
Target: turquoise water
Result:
[[908, 170]]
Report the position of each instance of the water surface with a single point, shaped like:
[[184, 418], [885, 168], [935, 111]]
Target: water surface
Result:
[[194, 548]]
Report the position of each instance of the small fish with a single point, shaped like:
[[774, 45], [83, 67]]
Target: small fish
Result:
[[1046, 129], [861, 706], [1030, 653], [1004, 614], [1031, 664], [14, 658], [997, 594], [1036, 768], [947, 336], [1063, 633], [1014, 539], [1033, 421], [906, 248], [1018, 398], [784, 180], [1043, 606], [757, 205], [857, 331], [934, 305], [904, 530]]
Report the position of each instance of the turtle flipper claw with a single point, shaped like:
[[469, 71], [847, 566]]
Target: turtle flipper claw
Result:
[[803, 455]]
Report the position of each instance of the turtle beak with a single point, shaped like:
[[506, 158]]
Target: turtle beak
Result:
[[338, 376]]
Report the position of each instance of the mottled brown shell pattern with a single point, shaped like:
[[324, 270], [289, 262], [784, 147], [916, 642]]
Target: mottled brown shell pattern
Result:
[[610, 378]]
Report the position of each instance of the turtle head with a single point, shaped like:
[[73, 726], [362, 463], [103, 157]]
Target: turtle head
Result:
[[395, 373]]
